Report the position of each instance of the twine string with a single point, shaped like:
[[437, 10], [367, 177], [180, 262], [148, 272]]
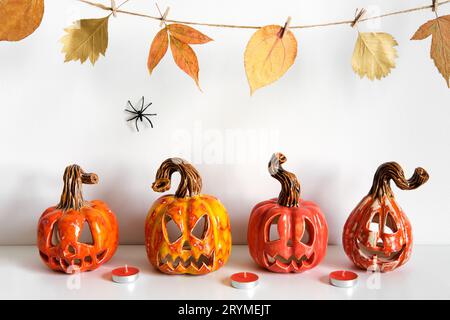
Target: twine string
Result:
[[435, 4]]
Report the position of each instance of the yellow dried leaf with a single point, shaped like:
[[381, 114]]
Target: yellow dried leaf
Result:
[[187, 34], [86, 38], [185, 58], [268, 55], [374, 54], [439, 29], [158, 49], [19, 18]]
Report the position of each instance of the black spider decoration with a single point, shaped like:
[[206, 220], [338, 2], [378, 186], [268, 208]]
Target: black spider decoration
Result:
[[140, 114]]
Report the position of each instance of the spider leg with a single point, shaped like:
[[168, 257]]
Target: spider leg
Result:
[[137, 125], [142, 106], [132, 118], [147, 106], [130, 111], [149, 121], [131, 106], [149, 114]]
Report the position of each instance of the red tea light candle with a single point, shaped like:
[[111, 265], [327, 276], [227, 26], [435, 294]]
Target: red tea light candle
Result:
[[244, 280], [343, 278], [125, 274]]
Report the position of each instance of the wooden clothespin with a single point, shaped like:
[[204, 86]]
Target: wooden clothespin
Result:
[[286, 26], [114, 8], [358, 15], [434, 5], [163, 16]]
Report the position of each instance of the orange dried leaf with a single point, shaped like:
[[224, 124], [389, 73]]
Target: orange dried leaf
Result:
[[19, 18], [439, 29], [187, 34], [185, 58], [158, 49], [268, 55]]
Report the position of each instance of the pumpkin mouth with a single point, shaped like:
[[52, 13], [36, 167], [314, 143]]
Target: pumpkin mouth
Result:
[[293, 261], [180, 263], [370, 253]]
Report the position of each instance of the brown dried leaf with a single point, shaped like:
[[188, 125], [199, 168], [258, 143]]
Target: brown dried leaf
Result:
[[268, 55], [185, 58], [187, 34], [158, 49], [439, 29], [19, 18]]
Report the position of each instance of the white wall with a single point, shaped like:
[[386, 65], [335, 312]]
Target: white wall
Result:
[[334, 128]]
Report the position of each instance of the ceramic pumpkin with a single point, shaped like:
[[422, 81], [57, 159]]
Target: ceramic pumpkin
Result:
[[188, 232], [377, 235], [60, 228], [300, 230]]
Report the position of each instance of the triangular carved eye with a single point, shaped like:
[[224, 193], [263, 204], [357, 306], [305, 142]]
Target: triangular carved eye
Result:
[[86, 234], [55, 235], [173, 231], [201, 227], [273, 229], [390, 226], [308, 233]]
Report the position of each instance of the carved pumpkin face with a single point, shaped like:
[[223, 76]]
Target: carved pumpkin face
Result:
[[377, 235], [287, 234], [186, 234], [60, 228]]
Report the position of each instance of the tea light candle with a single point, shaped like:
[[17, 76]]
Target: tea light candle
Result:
[[244, 280], [125, 274], [343, 278]]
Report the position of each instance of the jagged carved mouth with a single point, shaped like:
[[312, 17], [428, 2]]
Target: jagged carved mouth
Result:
[[291, 261], [369, 253], [178, 262]]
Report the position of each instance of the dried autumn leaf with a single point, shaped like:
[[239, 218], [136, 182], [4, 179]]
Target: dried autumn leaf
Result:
[[439, 29], [19, 18], [158, 49], [187, 34], [86, 38], [185, 58], [268, 55], [374, 54]]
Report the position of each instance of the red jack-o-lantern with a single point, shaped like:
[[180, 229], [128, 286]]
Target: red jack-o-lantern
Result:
[[377, 235], [61, 227], [188, 232], [287, 234]]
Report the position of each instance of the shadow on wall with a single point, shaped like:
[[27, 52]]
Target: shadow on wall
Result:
[[25, 202], [129, 202]]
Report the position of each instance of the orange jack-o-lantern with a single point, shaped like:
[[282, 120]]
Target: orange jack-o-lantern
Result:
[[287, 234], [61, 227], [377, 235], [187, 232]]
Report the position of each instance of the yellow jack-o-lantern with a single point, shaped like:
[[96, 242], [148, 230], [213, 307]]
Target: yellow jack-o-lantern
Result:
[[188, 232]]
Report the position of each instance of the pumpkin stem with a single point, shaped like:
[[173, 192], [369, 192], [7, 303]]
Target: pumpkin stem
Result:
[[392, 171], [72, 197], [190, 182], [290, 187]]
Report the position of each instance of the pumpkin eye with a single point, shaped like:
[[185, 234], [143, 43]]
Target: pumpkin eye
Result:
[[173, 231], [390, 226], [201, 227], [55, 235], [273, 229], [86, 234], [308, 233]]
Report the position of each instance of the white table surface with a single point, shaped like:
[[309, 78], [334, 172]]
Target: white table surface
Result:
[[24, 276]]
